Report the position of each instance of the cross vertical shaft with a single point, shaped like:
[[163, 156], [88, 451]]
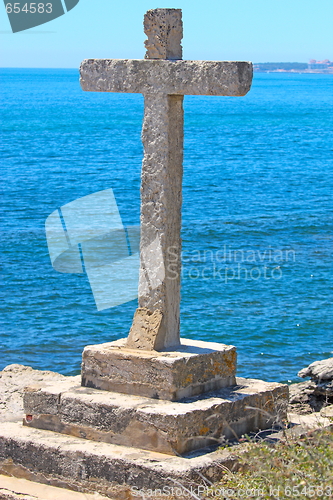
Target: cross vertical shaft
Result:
[[161, 199], [161, 181]]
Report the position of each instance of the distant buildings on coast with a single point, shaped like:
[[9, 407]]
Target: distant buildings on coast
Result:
[[312, 66]]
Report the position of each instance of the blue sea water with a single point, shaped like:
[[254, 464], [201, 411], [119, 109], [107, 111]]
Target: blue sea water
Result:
[[257, 217]]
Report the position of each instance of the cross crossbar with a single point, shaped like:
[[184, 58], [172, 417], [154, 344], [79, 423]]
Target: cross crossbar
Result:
[[220, 78]]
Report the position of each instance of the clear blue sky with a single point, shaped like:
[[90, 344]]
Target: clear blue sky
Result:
[[257, 30]]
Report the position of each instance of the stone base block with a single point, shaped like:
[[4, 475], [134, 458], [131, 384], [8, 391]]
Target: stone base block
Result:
[[111, 470], [174, 428], [193, 368]]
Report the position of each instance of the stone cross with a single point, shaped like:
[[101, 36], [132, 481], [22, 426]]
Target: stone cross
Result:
[[163, 78]]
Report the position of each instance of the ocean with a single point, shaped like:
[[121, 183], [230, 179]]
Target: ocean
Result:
[[257, 217]]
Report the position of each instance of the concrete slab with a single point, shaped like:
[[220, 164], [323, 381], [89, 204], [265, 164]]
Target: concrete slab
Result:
[[193, 368], [164, 426], [114, 471]]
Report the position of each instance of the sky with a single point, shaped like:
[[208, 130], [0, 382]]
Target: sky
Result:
[[257, 31]]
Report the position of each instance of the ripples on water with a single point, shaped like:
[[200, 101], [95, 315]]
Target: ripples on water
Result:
[[258, 177]]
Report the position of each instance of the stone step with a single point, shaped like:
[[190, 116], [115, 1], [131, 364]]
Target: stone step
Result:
[[12, 488], [175, 428], [111, 470]]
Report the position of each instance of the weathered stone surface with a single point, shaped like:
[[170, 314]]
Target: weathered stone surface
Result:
[[161, 184], [327, 412], [70, 463], [192, 368], [313, 395], [301, 425], [146, 76], [319, 370], [10, 495], [116, 471], [324, 389], [13, 380], [164, 29], [161, 200], [145, 330], [299, 393], [163, 426], [300, 397], [309, 396], [12, 488], [82, 465]]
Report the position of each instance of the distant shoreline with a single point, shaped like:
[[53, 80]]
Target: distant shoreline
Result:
[[297, 71], [312, 67]]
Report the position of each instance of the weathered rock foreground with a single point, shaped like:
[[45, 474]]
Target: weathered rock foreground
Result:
[[313, 395], [319, 370], [13, 380]]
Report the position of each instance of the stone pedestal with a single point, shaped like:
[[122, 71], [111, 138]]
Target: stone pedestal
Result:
[[192, 368], [172, 402], [118, 444]]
